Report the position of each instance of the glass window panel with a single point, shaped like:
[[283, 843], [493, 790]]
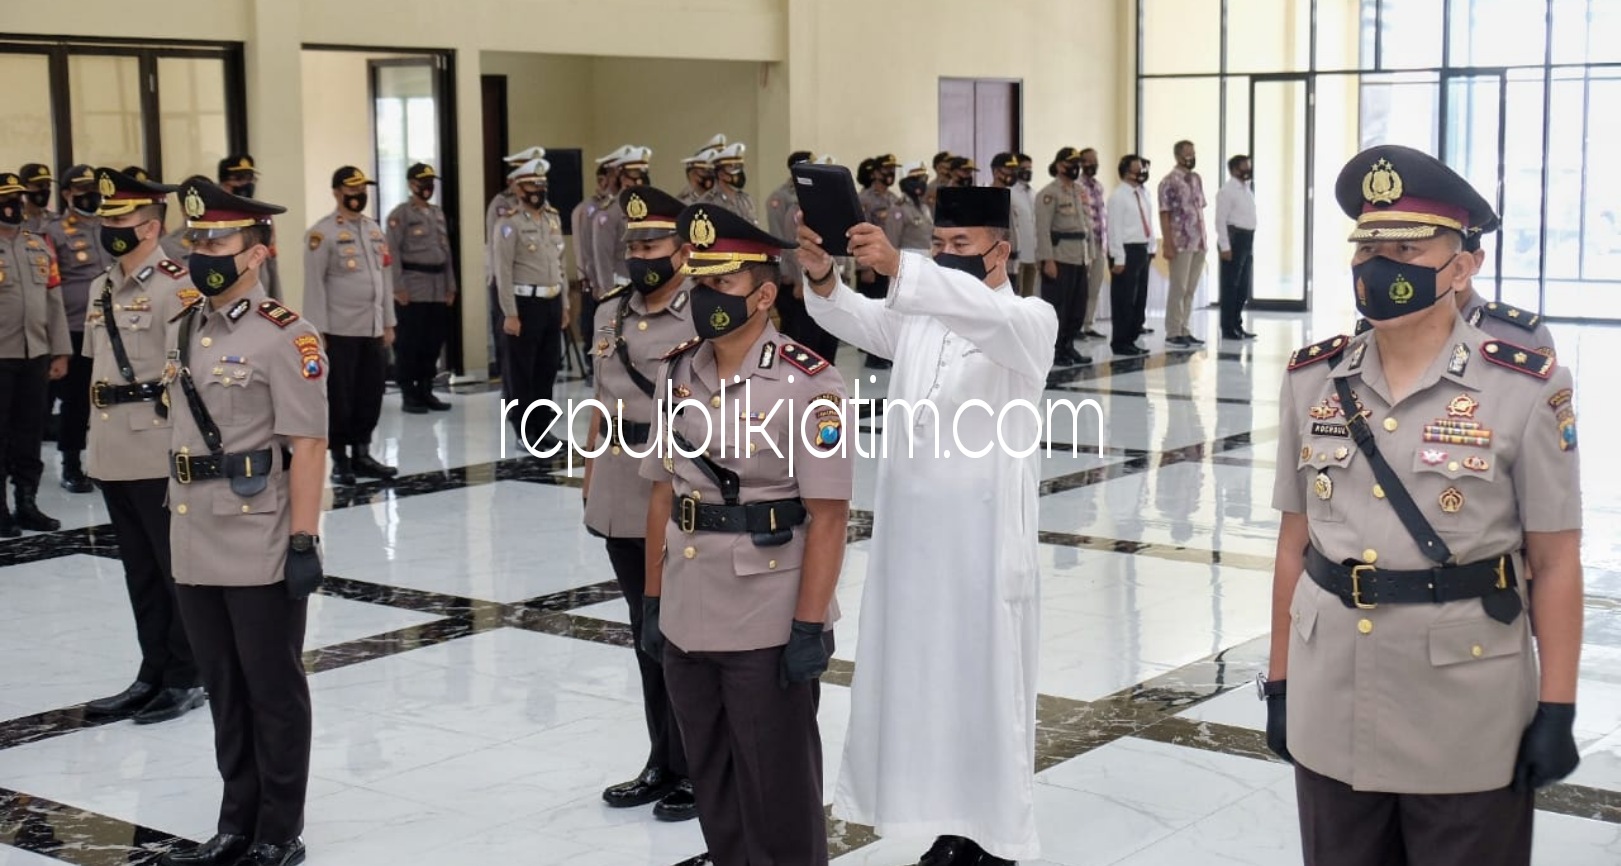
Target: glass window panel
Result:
[[108, 128], [1400, 109], [1498, 32], [1268, 35], [1601, 216], [1180, 108], [406, 121], [1563, 256], [1411, 33], [192, 122], [1586, 31], [1474, 119], [1336, 140], [1181, 36], [28, 134], [1238, 121], [1345, 34], [1522, 191], [1280, 193]]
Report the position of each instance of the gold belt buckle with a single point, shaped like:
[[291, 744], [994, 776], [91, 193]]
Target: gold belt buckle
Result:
[[98, 395], [182, 467], [1356, 587], [689, 514], [1502, 572]]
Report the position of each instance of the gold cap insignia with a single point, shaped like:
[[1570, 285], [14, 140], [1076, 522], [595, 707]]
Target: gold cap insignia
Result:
[[702, 231], [194, 203], [1401, 291], [719, 320], [1382, 185], [636, 209], [107, 188]]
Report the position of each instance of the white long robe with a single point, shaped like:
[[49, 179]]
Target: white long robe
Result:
[[942, 723]]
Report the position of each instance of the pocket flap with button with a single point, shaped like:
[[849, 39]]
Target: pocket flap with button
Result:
[[1302, 612], [266, 501], [1323, 452], [145, 417], [751, 560], [1483, 638], [1455, 463]]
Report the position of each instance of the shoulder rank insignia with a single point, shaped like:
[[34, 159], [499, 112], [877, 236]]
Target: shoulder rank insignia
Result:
[[803, 358], [1317, 352], [1527, 361], [280, 315], [1512, 315], [613, 292], [174, 269], [192, 304], [681, 348]]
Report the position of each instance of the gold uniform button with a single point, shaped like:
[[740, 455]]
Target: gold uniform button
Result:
[[697, 496], [1390, 425], [715, 401], [690, 552], [616, 450], [1378, 491], [246, 509], [104, 416], [1370, 555], [641, 326], [156, 421], [1453, 466], [1365, 626], [773, 564], [207, 341], [181, 508], [1477, 651]]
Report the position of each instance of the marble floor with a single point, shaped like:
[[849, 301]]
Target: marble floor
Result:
[[474, 690]]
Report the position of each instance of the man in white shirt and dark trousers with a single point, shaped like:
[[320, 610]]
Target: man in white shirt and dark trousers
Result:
[[1131, 248], [1235, 238]]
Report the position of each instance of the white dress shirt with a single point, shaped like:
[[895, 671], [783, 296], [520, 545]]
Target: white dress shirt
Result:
[[1024, 222], [1235, 206], [1131, 221]]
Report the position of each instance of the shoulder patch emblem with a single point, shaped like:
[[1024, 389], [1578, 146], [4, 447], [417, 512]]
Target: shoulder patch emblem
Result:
[[172, 268], [1513, 315], [1317, 352], [309, 355], [278, 314], [803, 358], [1527, 361], [681, 348], [189, 296], [1047, 198], [315, 240]]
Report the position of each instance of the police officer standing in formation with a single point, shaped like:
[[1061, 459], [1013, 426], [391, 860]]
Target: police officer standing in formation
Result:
[[730, 178], [527, 249], [916, 220], [127, 335], [37, 215], [743, 555], [700, 168], [1427, 456], [348, 299], [1063, 224], [34, 347], [881, 209], [782, 209], [82, 260], [608, 235], [581, 220], [504, 204], [636, 327], [424, 281], [247, 389]]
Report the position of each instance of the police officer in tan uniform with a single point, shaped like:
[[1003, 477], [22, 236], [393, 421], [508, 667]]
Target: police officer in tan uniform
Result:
[[126, 336], [501, 206], [730, 178], [527, 249], [782, 209], [636, 327], [82, 259], [37, 215], [1063, 224], [247, 392], [916, 219], [424, 281], [881, 209], [630, 164], [239, 174], [349, 298], [744, 552], [700, 169], [34, 347], [1416, 462], [581, 220]]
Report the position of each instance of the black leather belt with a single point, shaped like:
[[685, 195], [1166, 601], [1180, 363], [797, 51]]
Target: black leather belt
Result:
[[1367, 587], [104, 394], [634, 433], [1068, 236], [423, 269], [186, 468], [759, 518]]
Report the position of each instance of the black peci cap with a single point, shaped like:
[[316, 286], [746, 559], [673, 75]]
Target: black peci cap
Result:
[[35, 172], [972, 207]]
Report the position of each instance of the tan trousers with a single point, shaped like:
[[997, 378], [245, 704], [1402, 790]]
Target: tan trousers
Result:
[[1186, 269], [1097, 274]]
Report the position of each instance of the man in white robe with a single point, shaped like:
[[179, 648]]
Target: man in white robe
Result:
[[942, 729]]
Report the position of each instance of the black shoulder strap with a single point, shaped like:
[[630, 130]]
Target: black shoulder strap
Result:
[[623, 349], [1411, 516], [105, 304], [729, 482], [199, 412]]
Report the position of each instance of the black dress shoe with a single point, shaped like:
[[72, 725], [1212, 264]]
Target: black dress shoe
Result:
[[431, 401], [1129, 352], [267, 854], [1192, 340], [876, 363], [412, 406], [8, 524], [1090, 334], [1147, 330], [678, 805], [343, 473], [649, 787], [222, 850], [991, 860], [170, 704], [952, 851], [367, 467], [74, 480], [1231, 335], [1248, 335], [138, 695]]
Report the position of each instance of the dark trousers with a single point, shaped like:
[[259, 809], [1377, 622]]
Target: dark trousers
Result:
[[798, 324], [755, 752], [1237, 279], [354, 388], [878, 288], [249, 643], [419, 337], [586, 323], [496, 316], [1340, 826], [1128, 298], [73, 390], [1067, 294], [530, 361], [23, 385], [629, 558], [140, 518]]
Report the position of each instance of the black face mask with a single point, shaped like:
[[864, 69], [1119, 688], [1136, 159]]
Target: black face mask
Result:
[[86, 203], [120, 241], [11, 211], [1189, 163], [715, 313], [422, 192], [1025, 174], [915, 187], [243, 189], [888, 178], [738, 179], [38, 197], [1070, 171], [356, 201], [706, 182], [1388, 289], [973, 266], [213, 275], [650, 275], [536, 200], [1089, 170]]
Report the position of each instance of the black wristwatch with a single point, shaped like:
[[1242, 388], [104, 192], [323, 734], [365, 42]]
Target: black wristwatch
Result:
[[303, 542]]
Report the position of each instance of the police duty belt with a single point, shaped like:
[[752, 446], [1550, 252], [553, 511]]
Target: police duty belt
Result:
[[249, 473], [104, 394], [770, 523], [621, 432]]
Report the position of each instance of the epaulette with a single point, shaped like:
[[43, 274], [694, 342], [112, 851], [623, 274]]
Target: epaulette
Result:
[[613, 292], [803, 358], [174, 269], [1362, 327], [1513, 315], [1317, 352], [1527, 361], [681, 348], [277, 314], [190, 307]]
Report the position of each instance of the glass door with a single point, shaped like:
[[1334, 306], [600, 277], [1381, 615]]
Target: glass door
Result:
[[1281, 148], [1472, 144], [406, 123]]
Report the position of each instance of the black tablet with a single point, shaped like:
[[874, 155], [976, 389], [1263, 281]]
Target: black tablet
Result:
[[828, 199]]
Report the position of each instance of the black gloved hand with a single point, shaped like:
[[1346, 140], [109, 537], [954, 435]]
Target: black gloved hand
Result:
[[805, 657], [1548, 748], [1277, 721], [652, 638], [302, 572]]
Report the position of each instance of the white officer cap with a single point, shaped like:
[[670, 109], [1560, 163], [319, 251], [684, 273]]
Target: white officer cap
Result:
[[912, 168], [533, 170], [634, 157], [716, 143], [826, 159], [613, 158], [524, 155], [702, 159], [731, 153]]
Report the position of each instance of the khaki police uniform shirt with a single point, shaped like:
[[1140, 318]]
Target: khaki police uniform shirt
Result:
[[917, 226], [691, 195], [1421, 698], [581, 221], [81, 261], [734, 200], [418, 235], [721, 592], [130, 441], [178, 249], [1062, 209], [780, 208], [262, 375], [40, 223], [883, 211], [33, 321], [503, 205], [528, 251], [347, 287], [608, 247], [617, 504]]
